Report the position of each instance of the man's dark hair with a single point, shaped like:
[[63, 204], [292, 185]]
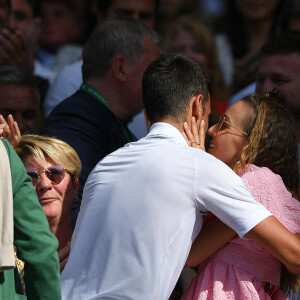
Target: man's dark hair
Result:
[[284, 44], [112, 37], [169, 83], [15, 76]]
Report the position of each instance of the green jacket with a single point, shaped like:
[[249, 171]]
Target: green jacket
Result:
[[35, 244]]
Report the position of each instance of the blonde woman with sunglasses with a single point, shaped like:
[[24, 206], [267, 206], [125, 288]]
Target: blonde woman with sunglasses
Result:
[[256, 138], [54, 167]]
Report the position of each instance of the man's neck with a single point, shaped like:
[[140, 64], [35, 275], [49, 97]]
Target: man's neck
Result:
[[111, 96]]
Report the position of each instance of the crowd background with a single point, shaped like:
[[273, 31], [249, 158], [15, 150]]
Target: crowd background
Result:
[[41, 44]]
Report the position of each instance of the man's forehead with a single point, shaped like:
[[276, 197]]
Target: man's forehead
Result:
[[280, 63]]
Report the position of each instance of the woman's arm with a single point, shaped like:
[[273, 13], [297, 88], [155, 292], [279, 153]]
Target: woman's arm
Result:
[[212, 237]]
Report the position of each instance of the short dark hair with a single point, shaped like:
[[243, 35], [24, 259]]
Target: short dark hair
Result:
[[284, 44], [111, 37], [15, 76], [169, 83]]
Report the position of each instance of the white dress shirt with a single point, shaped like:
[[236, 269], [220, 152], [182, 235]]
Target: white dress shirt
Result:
[[142, 208]]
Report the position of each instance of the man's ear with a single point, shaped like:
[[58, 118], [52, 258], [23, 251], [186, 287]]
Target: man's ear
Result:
[[118, 68], [197, 109]]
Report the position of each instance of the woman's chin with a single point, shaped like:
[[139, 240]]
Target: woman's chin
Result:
[[52, 212]]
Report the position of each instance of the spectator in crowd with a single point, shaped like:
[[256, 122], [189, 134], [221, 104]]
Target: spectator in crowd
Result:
[[256, 138], [24, 225], [20, 98], [54, 167], [246, 27], [190, 37], [279, 68], [25, 17], [142, 10], [58, 187], [93, 120], [170, 10], [147, 199], [290, 17], [61, 25], [13, 48]]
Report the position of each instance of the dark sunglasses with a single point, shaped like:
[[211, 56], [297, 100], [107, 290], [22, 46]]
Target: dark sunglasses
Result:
[[55, 173]]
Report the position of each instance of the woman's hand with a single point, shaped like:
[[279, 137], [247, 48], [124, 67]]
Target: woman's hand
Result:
[[10, 130], [195, 137]]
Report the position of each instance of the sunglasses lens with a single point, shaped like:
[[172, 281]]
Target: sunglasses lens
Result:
[[34, 175], [56, 174]]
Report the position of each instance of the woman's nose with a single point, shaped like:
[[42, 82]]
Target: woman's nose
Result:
[[44, 183], [212, 130]]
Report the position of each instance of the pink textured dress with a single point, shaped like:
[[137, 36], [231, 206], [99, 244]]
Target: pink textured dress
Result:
[[238, 270]]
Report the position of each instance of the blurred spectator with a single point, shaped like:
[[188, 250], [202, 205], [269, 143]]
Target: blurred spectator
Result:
[[13, 46], [61, 25], [279, 68], [247, 26], [289, 22], [142, 10], [20, 98], [170, 10], [211, 10], [25, 19], [290, 17], [190, 37], [4, 12]]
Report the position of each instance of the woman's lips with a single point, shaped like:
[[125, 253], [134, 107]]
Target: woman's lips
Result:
[[46, 200]]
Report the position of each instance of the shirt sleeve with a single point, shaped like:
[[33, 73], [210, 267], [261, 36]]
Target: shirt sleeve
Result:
[[221, 191], [35, 243]]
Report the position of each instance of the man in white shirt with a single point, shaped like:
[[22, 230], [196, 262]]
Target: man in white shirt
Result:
[[143, 204]]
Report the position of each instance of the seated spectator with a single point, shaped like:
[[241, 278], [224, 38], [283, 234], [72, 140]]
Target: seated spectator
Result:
[[23, 224], [20, 98]]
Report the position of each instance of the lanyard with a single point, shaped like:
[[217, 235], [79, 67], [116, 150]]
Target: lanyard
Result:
[[91, 91]]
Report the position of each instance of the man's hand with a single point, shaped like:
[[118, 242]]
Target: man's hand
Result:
[[14, 50]]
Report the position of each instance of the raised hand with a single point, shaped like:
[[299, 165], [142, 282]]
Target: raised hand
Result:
[[14, 50], [195, 137], [10, 130]]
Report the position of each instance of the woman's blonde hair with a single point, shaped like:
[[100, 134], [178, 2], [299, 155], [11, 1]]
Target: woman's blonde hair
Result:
[[50, 148]]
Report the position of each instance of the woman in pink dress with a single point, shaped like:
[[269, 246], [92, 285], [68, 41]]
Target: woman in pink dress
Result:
[[256, 138]]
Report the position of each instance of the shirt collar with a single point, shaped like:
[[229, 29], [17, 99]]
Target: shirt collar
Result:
[[165, 130]]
